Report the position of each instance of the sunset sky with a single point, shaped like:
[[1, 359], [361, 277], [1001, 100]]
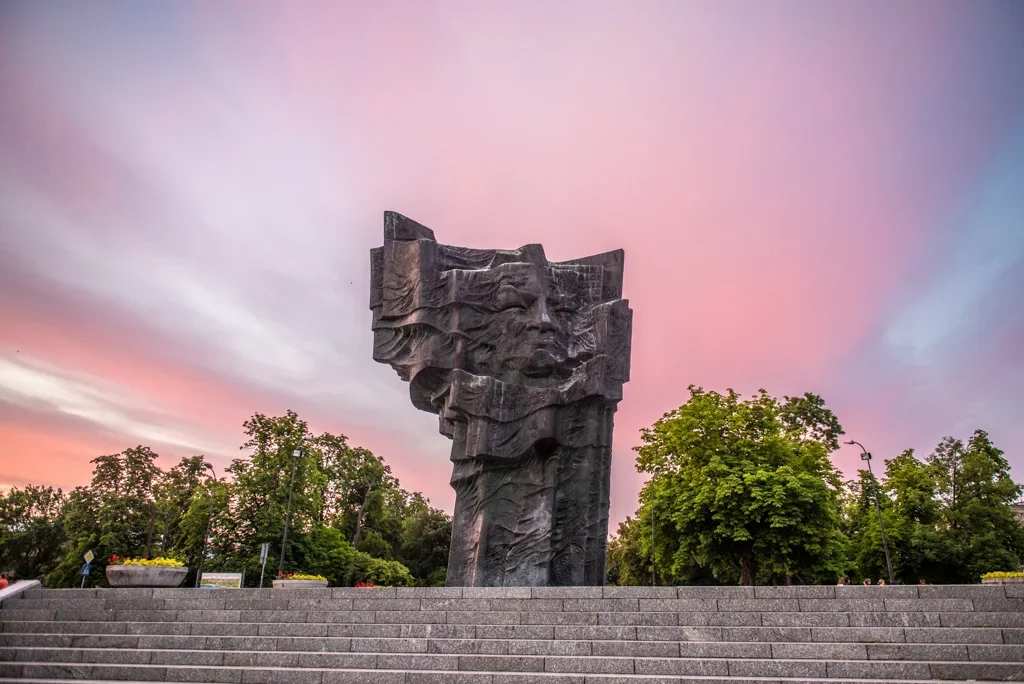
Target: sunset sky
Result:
[[812, 196]]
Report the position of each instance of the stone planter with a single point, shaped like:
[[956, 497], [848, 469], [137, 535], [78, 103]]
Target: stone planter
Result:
[[1003, 580], [298, 584], [145, 575]]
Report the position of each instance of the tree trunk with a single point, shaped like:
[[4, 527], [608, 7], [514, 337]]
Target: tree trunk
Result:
[[747, 569]]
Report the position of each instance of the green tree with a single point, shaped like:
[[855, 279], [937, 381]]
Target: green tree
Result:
[[743, 489], [425, 537], [32, 534], [976, 490]]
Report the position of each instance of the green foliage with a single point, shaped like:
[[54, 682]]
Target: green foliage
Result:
[[31, 531], [382, 573], [1002, 575], [742, 489]]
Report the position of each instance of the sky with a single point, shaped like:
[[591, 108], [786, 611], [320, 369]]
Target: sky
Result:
[[812, 197]]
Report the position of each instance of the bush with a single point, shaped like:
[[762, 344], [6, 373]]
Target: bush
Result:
[[382, 573], [149, 562], [1002, 575]]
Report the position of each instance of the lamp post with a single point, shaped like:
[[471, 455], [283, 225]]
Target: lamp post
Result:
[[288, 513], [656, 470], [206, 534], [865, 455]]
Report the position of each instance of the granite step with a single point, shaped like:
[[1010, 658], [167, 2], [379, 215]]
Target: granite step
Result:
[[518, 670]]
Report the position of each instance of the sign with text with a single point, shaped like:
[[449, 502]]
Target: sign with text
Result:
[[221, 580]]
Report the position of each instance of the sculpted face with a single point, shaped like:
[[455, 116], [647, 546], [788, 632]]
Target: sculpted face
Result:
[[529, 327]]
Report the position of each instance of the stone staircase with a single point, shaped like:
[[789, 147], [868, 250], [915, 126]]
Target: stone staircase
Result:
[[554, 635]]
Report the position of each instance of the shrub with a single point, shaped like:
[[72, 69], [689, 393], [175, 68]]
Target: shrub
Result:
[[1002, 575], [149, 562]]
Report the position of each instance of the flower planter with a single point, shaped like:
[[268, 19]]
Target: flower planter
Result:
[[298, 584], [1003, 580], [145, 575]]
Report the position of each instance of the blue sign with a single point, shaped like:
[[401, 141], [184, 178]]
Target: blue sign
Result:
[[85, 569]]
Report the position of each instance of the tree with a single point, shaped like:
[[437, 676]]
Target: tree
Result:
[[976, 490], [31, 531], [743, 489], [426, 535]]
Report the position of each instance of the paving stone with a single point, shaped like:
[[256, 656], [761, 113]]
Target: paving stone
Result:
[[210, 658], [365, 617], [293, 629], [528, 605], [303, 592], [856, 634], [815, 651], [437, 631], [393, 661], [760, 605], [501, 663], [450, 678], [715, 592], [607, 633], [678, 605], [265, 604], [207, 674], [150, 616], [363, 677], [453, 604], [12, 614], [841, 605], [104, 641], [385, 645], [550, 679], [40, 655], [383, 617], [662, 619], [433, 593], [375, 604], [804, 619], [242, 643], [638, 593], [164, 641], [549, 648], [946, 591], [777, 668], [709, 619], [497, 592], [796, 591], [996, 652], [929, 605], [528, 632], [852, 669], [280, 676], [1010, 636], [128, 672], [981, 620], [766, 633], [621, 605], [713, 649], [681, 666], [260, 616], [11, 670], [479, 618], [916, 652], [325, 644], [364, 593], [206, 616], [588, 665], [894, 619], [227, 629], [589, 618], [569, 593], [484, 646], [1001, 605], [953, 635], [1013, 672], [680, 634], [636, 649], [338, 660], [1013, 590]]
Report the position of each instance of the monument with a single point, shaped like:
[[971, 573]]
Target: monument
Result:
[[523, 360]]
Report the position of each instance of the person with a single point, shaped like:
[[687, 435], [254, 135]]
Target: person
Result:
[[867, 581], [881, 583], [842, 582], [3, 581], [920, 581]]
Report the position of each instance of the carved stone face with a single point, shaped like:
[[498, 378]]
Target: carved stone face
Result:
[[532, 309]]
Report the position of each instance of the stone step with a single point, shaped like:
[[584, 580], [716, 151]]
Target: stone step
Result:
[[923, 635], [980, 591], [14, 646], [417, 677], [323, 667]]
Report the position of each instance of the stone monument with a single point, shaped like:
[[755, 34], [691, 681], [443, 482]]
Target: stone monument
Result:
[[523, 360]]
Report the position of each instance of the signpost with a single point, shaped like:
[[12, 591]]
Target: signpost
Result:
[[87, 567], [263, 560]]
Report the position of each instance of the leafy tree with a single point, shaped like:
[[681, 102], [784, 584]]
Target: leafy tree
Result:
[[31, 531], [743, 489], [425, 537]]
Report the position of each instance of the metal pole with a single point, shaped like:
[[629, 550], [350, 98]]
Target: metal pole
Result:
[[866, 456], [288, 513], [206, 536], [262, 570]]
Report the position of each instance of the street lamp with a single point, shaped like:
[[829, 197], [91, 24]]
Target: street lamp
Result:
[[288, 514], [656, 470], [865, 455], [206, 535]]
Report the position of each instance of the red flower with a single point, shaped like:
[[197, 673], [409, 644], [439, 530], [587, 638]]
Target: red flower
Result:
[[364, 585]]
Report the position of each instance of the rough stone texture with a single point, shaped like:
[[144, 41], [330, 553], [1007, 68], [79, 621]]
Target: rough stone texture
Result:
[[523, 360]]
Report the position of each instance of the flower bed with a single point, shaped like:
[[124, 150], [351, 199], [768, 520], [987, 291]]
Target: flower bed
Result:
[[145, 572], [296, 580], [1003, 578]]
